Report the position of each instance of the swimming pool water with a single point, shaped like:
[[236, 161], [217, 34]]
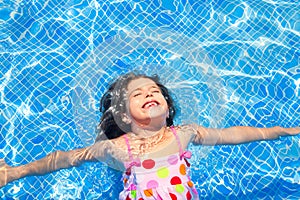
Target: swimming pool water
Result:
[[226, 63]]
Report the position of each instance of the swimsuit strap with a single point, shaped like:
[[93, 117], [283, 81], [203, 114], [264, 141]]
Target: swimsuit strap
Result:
[[128, 147], [177, 139], [133, 161], [183, 154]]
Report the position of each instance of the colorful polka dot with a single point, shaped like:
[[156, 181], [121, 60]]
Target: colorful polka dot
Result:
[[148, 193], [173, 196], [182, 169], [152, 184], [173, 159], [163, 172], [179, 188], [188, 195], [133, 194], [190, 184], [175, 180], [148, 164]]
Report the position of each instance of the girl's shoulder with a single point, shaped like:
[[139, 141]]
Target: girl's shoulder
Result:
[[186, 132], [187, 129], [119, 142]]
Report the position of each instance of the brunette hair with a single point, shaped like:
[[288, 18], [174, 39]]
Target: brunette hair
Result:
[[113, 106]]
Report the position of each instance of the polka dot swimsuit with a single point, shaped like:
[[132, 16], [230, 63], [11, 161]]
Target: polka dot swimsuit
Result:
[[163, 178]]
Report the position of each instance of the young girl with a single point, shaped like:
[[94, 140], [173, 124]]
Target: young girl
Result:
[[136, 135]]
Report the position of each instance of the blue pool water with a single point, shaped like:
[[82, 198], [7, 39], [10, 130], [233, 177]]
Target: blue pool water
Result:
[[231, 62]]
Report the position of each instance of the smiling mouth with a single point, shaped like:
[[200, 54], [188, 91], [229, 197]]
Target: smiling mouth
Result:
[[150, 104]]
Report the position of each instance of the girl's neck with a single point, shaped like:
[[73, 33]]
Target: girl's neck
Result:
[[147, 132]]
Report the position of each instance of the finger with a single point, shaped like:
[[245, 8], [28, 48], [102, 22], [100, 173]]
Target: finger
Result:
[[295, 131]]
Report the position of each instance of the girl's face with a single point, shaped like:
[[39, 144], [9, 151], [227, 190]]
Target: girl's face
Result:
[[146, 104]]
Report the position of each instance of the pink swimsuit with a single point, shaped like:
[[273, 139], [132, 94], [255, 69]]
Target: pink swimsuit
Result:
[[160, 178]]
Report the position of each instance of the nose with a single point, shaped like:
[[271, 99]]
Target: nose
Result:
[[149, 94]]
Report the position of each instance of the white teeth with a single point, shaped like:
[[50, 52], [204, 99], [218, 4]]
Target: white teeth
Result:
[[148, 105]]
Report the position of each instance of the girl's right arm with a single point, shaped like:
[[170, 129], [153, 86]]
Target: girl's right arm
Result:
[[55, 161]]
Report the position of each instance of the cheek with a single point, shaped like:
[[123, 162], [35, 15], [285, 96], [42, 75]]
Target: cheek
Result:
[[134, 102], [165, 102], [133, 105]]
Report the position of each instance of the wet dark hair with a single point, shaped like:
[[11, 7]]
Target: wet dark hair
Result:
[[113, 106]]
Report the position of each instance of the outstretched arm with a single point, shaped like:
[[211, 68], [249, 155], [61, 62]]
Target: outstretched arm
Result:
[[240, 134], [54, 161]]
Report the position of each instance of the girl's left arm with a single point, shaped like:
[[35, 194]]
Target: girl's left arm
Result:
[[240, 134]]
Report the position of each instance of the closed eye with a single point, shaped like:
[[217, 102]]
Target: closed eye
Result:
[[155, 90], [137, 94]]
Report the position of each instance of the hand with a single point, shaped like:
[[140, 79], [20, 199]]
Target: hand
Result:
[[289, 131], [5, 170]]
